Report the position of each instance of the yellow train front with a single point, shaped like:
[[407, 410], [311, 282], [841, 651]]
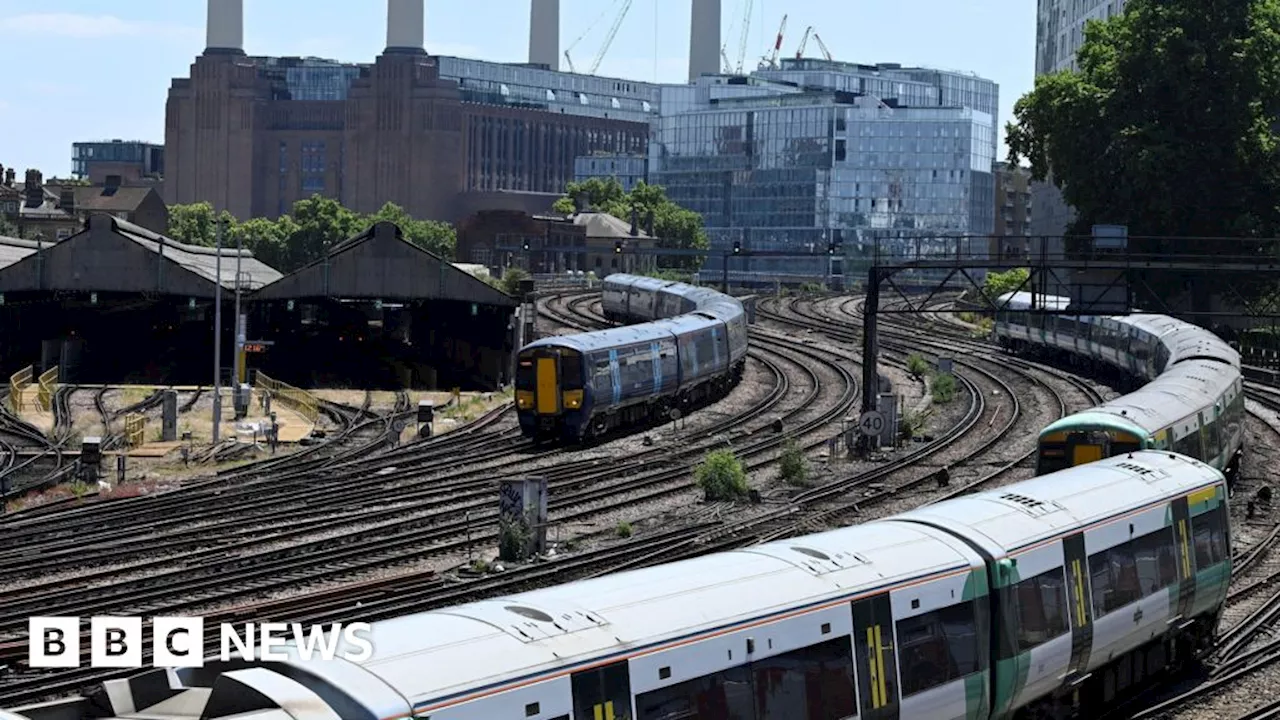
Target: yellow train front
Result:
[[550, 398]]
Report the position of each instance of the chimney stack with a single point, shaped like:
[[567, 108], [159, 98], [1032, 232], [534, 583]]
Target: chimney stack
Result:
[[704, 39], [544, 33], [406, 20], [224, 31], [34, 188], [67, 199], [10, 177]]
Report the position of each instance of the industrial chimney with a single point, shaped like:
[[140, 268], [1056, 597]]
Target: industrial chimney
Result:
[[406, 20], [544, 33], [224, 31], [704, 39]]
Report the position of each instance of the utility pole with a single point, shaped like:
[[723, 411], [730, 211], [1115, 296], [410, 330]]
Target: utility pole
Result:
[[240, 329], [217, 336]]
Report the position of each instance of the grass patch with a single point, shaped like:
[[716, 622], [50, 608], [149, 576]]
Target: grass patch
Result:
[[794, 466], [721, 476], [624, 529], [917, 366], [943, 388]]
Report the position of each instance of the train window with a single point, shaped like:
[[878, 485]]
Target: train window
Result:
[[1189, 445], [602, 692], [525, 376], [1212, 438], [1053, 457], [1114, 579], [937, 647], [1153, 554], [1037, 608], [1210, 538], [571, 371], [726, 694], [812, 683]]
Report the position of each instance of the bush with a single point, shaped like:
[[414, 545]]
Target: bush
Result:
[[510, 282], [513, 539], [944, 387], [624, 529], [721, 476], [917, 365], [794, 465], [911, 424], [812, 287]]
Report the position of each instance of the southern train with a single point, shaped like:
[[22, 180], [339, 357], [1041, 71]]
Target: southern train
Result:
[[1049, 598], [689, 346], [1193, 403]]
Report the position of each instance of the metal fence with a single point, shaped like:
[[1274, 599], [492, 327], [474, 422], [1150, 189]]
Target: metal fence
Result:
[[47, 385], [297, 399], [18, 382]]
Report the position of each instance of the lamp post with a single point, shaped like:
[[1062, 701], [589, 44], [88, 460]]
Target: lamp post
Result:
[[240, 329], [217, 336]]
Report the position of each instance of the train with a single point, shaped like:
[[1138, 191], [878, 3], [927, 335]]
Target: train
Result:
[[1193, 402], [1048, 598], [685, 345]]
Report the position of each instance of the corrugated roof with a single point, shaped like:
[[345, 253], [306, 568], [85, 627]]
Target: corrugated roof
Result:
[[202, 260]]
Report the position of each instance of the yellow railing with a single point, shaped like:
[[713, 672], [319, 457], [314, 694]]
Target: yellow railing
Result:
[[18, 382], [135, 429], [47, 386], [299, 400]]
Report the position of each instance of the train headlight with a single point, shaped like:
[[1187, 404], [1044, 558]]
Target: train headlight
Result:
[[572, 399], [524, 400]]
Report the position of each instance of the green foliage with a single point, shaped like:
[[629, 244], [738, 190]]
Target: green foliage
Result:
[[624, 529], [793, 465], [721, 476], [315, 225], [911, 424], [1168, 126], [513, 539], [510, 282], [674, 226], [943, 388], [7, 229], [670, 275], [917, 365], [999, 283], [195, 224], [812, 287]]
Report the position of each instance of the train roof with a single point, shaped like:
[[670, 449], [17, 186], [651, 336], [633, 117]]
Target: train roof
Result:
[[603, 339], [1021, 300], [1174, 395], [1015, 517], [444, 656]]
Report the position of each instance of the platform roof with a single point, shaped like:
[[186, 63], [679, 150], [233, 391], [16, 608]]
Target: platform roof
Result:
[[380, 264], [113, 255], [14, 249]]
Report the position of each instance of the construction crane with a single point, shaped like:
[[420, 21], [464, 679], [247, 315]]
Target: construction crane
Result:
[[770, 61], [742, 43], [804, 41], [822, 46], [613, 32], [728, 66]]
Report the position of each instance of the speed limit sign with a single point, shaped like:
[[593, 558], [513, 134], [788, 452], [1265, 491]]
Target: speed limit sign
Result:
[[871, 423]]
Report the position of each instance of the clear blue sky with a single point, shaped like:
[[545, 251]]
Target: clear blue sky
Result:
[[100, 69]]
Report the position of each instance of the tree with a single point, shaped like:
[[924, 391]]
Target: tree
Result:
[[321, 223], [999, 283], [1168, 126], [431, 235], [268, 240], [194, 224], [7, 229], [674, 226]]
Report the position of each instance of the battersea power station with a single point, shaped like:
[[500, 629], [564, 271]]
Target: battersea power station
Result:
[[440, 136]]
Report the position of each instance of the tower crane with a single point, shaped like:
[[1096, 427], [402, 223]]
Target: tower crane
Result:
[[804, 41], [742, 43], [770, 61], [728, 66], [613, 31], [822, 46]]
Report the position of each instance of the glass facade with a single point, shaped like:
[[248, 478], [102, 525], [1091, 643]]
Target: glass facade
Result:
[[626, 169], [572, 94], [149, 157], [309, 78], [794, 173]]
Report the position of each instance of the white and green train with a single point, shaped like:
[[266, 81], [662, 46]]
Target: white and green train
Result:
[[1193, 402]]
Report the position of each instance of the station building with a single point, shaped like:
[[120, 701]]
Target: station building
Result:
[[117, 303]]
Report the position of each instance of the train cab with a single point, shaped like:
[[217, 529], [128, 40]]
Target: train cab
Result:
[[1084, 438], [549, 385]]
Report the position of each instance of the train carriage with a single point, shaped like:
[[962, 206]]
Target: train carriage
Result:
[[1046, 598]]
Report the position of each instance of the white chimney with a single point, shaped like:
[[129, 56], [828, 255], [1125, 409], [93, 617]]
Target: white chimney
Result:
[[704, 39], [406, 20], [544, 33], [224, 31]]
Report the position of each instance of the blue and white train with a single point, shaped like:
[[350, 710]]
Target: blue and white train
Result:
[[1193, 402], [690, 346], [1049, 598]]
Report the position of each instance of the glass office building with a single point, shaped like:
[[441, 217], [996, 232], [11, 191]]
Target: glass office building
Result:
[[626, 169], [536, 87], [147, 157], [796, 172]]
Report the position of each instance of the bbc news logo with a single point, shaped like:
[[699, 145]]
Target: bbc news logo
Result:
[[176, 642]]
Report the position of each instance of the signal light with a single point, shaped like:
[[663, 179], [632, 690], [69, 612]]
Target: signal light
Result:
[[737, 247], [617, 248], [526, 244], [831, 248]]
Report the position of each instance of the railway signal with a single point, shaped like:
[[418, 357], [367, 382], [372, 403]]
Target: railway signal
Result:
[[617, 248], [526, 245], [737, 247]]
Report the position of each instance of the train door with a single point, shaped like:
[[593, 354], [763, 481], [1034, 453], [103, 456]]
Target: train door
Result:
[[877, 662], [602, 693], [547, 395], [1186, 559], [1080, 605]]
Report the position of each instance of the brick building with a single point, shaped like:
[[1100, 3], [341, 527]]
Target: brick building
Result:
[[252, 135], [1013, 210]]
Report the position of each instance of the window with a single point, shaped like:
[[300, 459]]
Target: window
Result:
[[1037, 608], [1131, 571], [1209, 535], [937, 647], [724, 694], [570, 370], [1188, 444], [813, 683], [525, 378]]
